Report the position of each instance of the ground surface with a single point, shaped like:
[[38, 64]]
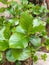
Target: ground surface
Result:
[[40, 61]]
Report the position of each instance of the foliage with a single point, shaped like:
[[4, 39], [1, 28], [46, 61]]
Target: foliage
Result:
[[44, 56], [21, 32]]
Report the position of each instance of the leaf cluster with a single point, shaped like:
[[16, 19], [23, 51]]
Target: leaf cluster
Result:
[[21, 31]]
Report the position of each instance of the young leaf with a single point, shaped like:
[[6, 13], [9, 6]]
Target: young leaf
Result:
[[35, 58], [44, 56]]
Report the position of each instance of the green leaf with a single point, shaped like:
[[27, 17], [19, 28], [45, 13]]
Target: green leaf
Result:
[[3, 1], [38, 26], [7, 31], [26, 21], [18, 29], [0, 56], [13, 8], [35, 58], [47, 20], [44, 56], [36, 10], [36, 41], [21, 54], [9, 56], [18, 63], [2, 10], [43, 9], [38, 22], [46, 43], [18, 40], [3, 45], [1, 34], [14, 21], [1, 21], [14, 3], [24, 1]]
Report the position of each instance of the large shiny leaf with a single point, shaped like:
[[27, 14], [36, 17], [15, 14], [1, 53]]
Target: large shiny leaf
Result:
[[21, 54], [9, 56], [36, 41], [26, 21], [18, 40]]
